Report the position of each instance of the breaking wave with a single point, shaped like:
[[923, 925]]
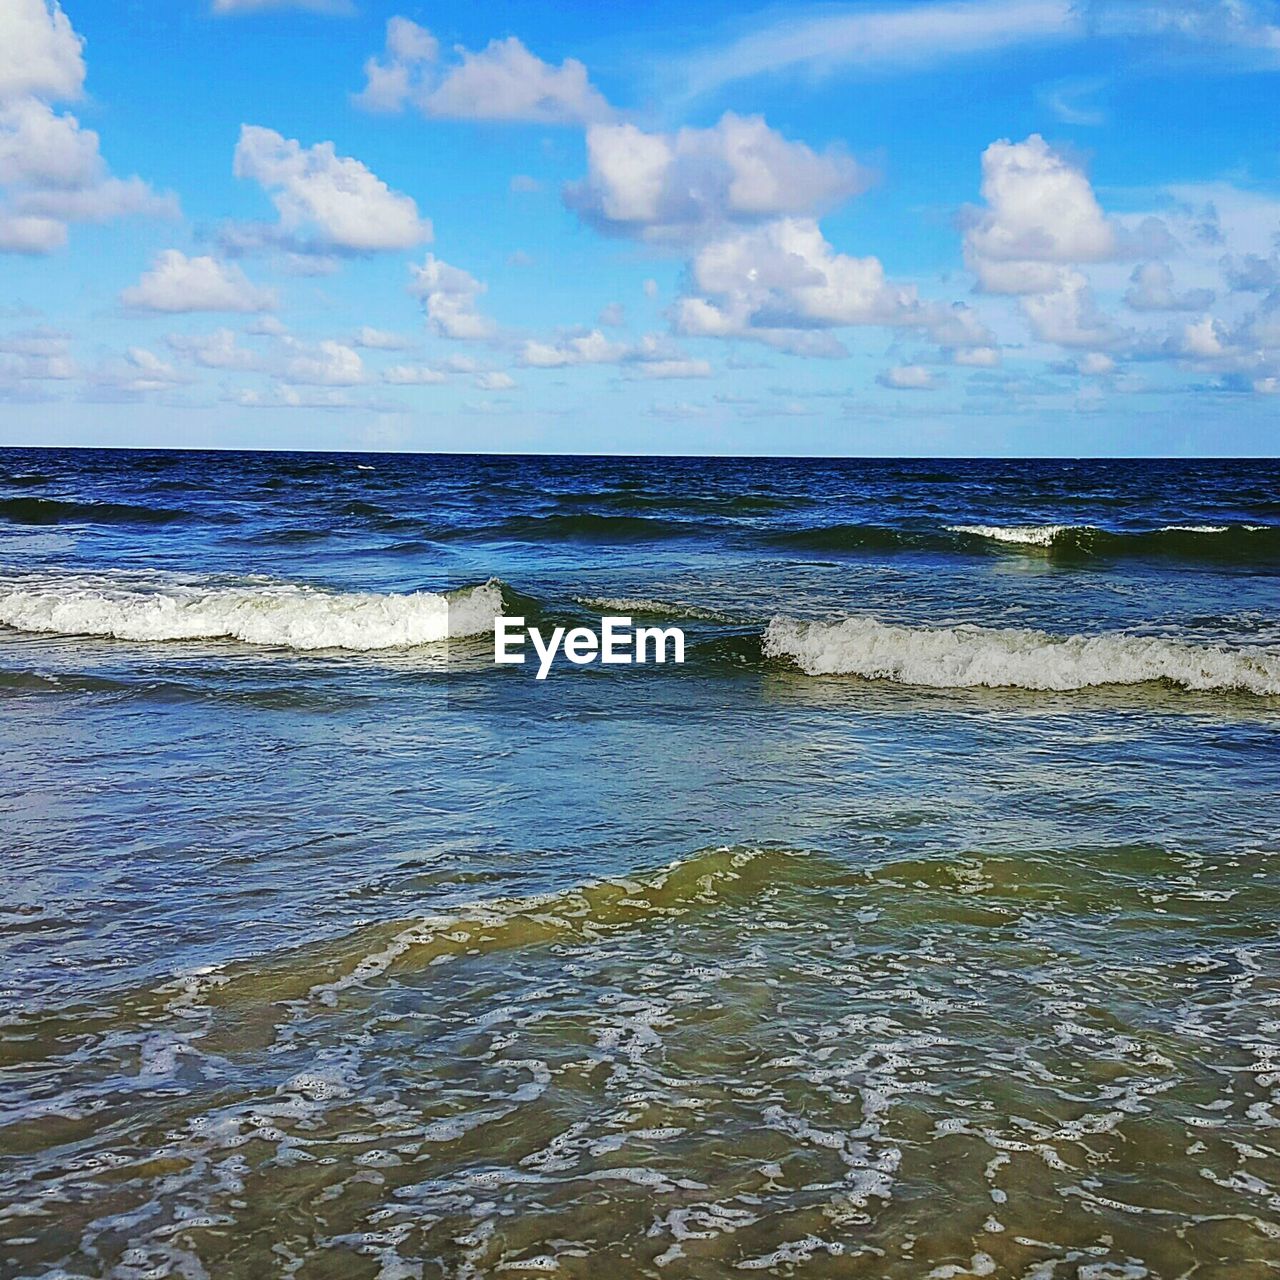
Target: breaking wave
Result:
[[1243, 542], [260, 612], [1028, 535], [964, 657]]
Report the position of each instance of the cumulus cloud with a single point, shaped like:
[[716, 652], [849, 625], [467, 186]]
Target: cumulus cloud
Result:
[[907, 377], [1205, 339], [35, 355], [679, 186], [449, 297], [413, 375], [782, 284], [325, 364], [52, 174], [380, 339], [216, 350], [588, 348], [503, 81], [40, 52], [651, 357], [51, 171], [977, 357], [784, 275], [1069, 316], [137, 373], [327, 200], [1040, 212], [176, 283], [1151, 289]]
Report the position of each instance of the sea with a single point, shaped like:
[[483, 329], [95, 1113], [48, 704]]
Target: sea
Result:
[[923, 924]]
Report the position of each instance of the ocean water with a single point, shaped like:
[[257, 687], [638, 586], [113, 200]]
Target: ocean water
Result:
[[924, 923]]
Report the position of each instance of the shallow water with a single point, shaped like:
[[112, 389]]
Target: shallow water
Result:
[[829, 960]]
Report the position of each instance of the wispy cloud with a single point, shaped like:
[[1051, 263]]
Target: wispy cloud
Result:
[[1069, 100], [880, 40], [1228, 34]]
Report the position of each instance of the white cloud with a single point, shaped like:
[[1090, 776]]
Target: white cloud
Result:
[[333, 199], [217, 350], [449, 296], [589, 348], [326, 364], [41, 342], [651, 357], [977, 357], [1204, 339], [381, 340], [1040, 210], [36, 355], [503, 81], [1067, 99], [495, 381], [265, 326], [1220, 30], [1151, 289], [41, 148], [51, 171], [290, 397], [139, 372], [413, 375], [1097, 364], [176, 283], [51, 174], [1069, 316], [907, 377], [666, 369], [678, 186], [785, 275], [613, 315], [783, 284], [40, 53], [907, 37], [911, 37], [30, 235]]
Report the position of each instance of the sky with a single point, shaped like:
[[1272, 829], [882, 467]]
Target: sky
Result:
[[992, 227]]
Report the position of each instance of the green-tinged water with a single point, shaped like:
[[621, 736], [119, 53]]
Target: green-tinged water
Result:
[[754, 1059]]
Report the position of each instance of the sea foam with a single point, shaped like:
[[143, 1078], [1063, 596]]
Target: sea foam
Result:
[[261, 612], [964, 657]]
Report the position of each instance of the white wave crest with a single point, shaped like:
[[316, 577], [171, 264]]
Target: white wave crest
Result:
[[967, 657], [263, 612], [1027, 535]]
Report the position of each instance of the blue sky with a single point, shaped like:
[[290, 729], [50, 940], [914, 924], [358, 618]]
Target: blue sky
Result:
[[997, 227]]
